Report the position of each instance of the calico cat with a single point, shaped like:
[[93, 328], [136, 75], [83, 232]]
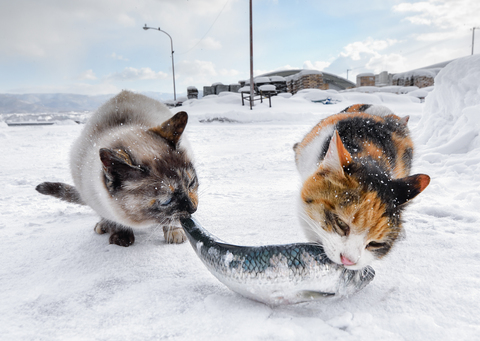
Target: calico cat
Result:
[[355, 169], [133, 167]]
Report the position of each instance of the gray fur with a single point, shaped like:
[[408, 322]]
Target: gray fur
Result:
[[133, 166]]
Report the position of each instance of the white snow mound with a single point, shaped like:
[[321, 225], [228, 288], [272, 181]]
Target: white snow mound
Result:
[[451, 120]]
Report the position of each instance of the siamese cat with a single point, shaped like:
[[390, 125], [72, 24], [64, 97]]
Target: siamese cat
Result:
[[133, 167], [355, 167]]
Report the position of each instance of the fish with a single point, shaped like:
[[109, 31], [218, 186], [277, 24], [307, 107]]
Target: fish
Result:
[[275, 274]]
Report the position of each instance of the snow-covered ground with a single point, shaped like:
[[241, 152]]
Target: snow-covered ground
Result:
[[61, 281]]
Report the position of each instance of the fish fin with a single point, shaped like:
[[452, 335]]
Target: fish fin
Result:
[[314, 295]]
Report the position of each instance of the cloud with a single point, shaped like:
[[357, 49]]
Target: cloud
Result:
[[369, 55], [315, 65], [282, 68], [444, 14], [87, 75], [133, 74], [200, 73], [369, 46], [196, 68], [388, 62], [73, 88], [209, 43], [55, 28], [118, 57], [228, 72]]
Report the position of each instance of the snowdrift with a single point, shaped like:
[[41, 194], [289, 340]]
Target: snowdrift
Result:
[[451, 119]]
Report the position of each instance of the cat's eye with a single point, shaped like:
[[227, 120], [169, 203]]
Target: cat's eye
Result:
[[375, 245], [192, 183], [166, 202], [343, 227], [308, 201]]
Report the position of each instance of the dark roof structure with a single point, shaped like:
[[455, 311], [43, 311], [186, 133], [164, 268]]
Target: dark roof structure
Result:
[[335, 82]]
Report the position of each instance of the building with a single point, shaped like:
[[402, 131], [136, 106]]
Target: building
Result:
[[365, 79], [383, 79], [299, 79], [422, 77]]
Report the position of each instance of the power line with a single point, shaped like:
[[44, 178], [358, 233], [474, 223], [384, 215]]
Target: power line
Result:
[[207, 30]]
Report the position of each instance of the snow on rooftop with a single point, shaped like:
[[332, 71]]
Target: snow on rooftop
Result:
[[304, 72], [417, 73], [267, 87], [277, 79], [261, 80]]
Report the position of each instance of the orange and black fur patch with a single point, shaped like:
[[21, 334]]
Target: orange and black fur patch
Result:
[[355, 168]]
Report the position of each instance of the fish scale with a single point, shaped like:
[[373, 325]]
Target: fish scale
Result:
[[275, 274]]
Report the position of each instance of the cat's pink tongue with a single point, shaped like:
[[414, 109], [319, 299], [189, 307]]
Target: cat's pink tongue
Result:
[[346, 261]]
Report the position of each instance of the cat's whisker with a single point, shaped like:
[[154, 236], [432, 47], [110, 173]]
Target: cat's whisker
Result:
[[355, 170], [317, 229], [314, 226], [202, 192]]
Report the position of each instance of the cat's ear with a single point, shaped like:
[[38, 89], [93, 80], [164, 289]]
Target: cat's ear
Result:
[[172, 129], [337, 157], [117, 164], [409, 187], [404, 120]]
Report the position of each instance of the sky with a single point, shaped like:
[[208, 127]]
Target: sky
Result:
[[96, 47]]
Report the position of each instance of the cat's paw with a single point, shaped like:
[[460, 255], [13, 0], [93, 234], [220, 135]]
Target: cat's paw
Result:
[[99, 228], [174, 235], [122, 238]]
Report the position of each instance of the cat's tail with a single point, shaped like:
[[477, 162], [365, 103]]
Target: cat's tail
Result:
[[61, 191]]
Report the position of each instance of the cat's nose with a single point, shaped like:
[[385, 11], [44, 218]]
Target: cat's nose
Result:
[[346, 261], [191, 209], [187, 205]]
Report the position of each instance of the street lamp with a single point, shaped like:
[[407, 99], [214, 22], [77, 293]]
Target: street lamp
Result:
[[473, 37], [173, 64]]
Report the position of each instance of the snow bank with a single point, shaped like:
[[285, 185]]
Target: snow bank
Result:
[[318, 95], [418, 73], [305, 104], [451, 120], [61, 281]]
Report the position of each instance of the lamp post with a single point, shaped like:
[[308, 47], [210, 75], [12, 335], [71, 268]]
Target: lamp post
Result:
[[173, 64], [251, 58], [473, 37]]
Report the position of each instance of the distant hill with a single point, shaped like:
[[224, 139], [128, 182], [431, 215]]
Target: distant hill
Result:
[[44, 103]]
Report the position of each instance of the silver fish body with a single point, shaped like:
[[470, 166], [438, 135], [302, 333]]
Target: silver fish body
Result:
[[275, 274]]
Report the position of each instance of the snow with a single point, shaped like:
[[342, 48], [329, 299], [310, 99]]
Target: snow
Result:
[[302, 73], [61, 281], [418, 73], [277, 79], [259, 80], [267, 87], [420, 93]]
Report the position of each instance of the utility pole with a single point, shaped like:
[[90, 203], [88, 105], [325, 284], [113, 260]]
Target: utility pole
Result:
[[173, 63], [347, 72], [251, 58], [473, 38]]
